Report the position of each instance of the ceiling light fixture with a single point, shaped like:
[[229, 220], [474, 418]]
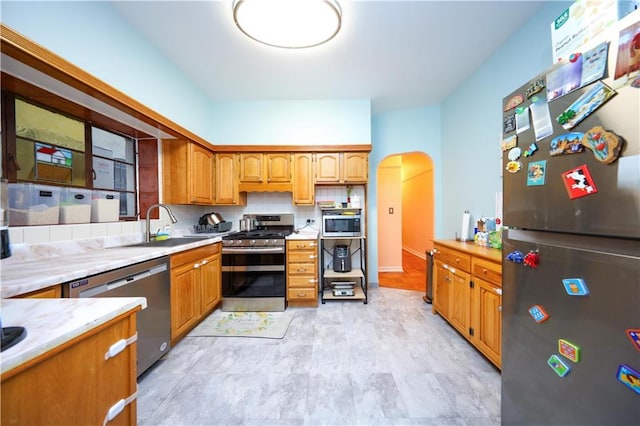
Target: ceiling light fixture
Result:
[[292, 24]]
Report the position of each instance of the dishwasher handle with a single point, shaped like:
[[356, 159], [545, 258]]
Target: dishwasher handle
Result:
[[131, 279]]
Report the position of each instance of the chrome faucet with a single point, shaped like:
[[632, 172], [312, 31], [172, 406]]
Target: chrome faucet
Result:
[[148, 220]]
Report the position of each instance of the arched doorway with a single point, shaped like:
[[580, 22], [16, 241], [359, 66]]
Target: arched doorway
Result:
[[405, 194]]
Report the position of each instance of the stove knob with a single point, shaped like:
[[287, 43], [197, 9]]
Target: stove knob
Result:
[[252, 242]]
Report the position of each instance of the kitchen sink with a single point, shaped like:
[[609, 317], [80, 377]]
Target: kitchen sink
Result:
[[171, 242]]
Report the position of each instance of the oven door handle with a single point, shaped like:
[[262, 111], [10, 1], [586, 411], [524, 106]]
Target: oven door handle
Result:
[[230, 250], [255, 268]]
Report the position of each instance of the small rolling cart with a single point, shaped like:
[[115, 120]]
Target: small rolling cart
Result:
[[343, 272]]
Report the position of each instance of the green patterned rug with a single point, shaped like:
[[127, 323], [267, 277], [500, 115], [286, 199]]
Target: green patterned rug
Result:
[[270, 325]]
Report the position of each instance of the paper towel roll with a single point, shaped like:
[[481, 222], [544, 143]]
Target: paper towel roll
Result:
[[464, 230]]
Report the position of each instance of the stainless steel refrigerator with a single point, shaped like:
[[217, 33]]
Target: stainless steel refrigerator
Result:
[[571, 257]]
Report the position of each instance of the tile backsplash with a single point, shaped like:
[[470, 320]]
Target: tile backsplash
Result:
[[27, 240]]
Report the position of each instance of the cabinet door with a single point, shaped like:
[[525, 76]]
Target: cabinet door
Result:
[[175, 159], [185, 297], [279, 167], [303, 188], [201, 175], [441, 289], [227, 180], [328, 167], [487, 325], [355, 167], [460, 301], [73, 384], [210, 276], [251, 165]]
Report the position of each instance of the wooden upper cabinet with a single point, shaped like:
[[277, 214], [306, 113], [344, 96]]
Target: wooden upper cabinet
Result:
[[202, 175], [303, 185], [355, 167], [227, 180], [348, 167], [265, 168], [251, 165], [187, 173], [278, 167]]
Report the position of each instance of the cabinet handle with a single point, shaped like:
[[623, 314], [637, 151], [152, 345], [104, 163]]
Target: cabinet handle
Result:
[[499, 308], [313, 281], [484, 271], [498, 291], [302, 294], [312, 256], [445, 266], [302, 270], [196, 266], [204, 262]]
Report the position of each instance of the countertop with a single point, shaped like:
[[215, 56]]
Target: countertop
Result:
[[38, 273], [488, 253], [52, 322], [304, 234]]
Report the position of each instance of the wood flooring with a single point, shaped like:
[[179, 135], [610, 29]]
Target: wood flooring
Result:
[[413, 277]]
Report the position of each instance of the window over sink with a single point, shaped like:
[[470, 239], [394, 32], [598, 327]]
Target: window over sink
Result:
[[45, 146]]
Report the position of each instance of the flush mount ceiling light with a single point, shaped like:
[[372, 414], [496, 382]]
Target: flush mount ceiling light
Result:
[[292, 24]]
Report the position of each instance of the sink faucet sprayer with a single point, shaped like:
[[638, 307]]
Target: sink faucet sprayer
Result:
[[148, 220]]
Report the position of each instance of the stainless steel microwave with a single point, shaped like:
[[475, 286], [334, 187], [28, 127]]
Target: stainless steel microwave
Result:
[[341, 225]]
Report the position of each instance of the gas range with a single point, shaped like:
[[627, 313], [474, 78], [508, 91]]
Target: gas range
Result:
[[253, 264], [270, 231], [257, 238]]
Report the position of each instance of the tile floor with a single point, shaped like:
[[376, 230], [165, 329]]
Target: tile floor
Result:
[[390, 362]]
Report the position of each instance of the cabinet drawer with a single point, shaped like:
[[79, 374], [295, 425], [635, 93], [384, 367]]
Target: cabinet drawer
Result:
[[301, 245], [489, 271], [307, 293], [302, 268], [302, 256], [302, 281], [194, 255], [454, 258]]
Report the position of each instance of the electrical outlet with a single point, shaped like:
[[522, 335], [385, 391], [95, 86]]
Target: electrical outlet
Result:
[[311, 221]]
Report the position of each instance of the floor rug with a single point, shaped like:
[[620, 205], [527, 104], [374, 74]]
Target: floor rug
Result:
[[270, 325]]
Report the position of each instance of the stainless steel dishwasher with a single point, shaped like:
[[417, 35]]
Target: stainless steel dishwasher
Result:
[[148, 279]]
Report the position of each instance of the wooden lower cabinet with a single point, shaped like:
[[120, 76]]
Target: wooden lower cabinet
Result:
[[302, 272], [195, 287], [73, 384], [488, 319], [53, 292], [467, 292]]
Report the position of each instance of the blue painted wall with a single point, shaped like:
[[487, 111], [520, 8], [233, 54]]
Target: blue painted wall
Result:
[[312, 122], [394, 133], [472, 121], [94, 37]]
